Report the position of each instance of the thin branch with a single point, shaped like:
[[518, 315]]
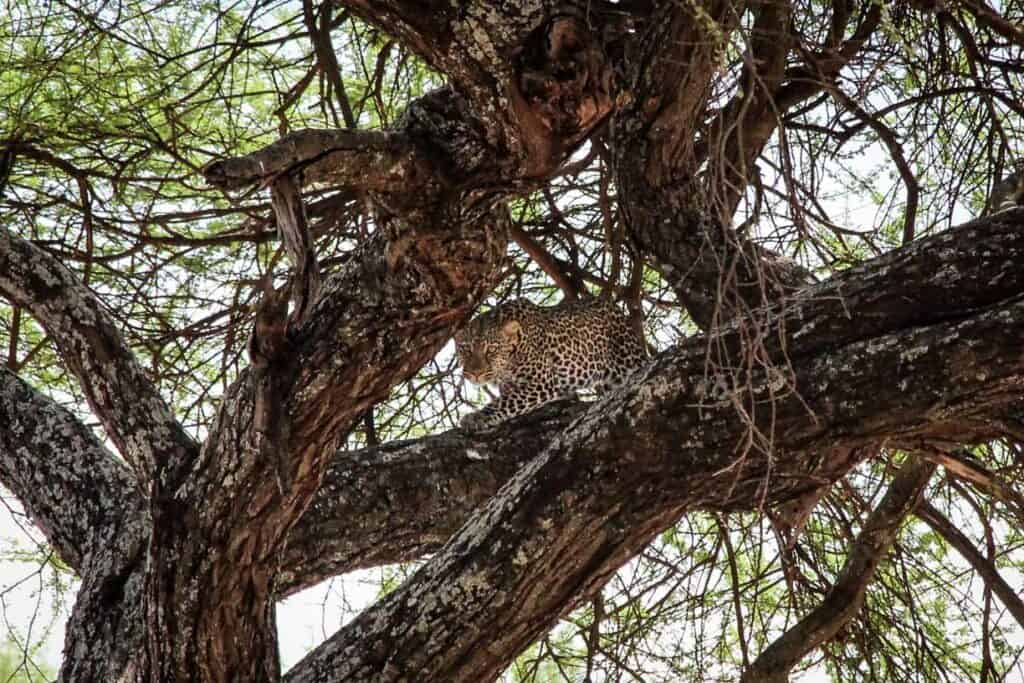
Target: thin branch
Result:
[[985, 568], [327, 60], [545, 260]]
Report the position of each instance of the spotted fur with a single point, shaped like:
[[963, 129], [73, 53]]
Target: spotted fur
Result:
[[537, 354]]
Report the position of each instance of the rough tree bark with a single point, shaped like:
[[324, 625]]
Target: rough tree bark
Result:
[[184, 551]]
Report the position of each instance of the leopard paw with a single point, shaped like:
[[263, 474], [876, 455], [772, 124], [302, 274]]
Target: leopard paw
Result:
[[475, 422]]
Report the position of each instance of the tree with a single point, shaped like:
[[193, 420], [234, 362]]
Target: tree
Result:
[[677, 156]]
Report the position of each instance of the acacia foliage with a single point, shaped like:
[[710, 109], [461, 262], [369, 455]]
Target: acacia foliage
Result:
[[110, 113]]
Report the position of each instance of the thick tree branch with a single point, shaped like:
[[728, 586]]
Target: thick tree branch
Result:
[[995, 21], [402, 500], [374, 325], [73, 488], [134, 415], [963, 545], [715, 273], [668, 83], [669, 441], [905, 288], [570, 518], [845, 598]]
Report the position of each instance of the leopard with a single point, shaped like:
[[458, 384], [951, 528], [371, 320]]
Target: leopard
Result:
[[539, 354]]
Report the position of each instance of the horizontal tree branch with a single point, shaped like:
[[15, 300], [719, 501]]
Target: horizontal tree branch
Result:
[[912, 286], [844, 599], [134, 415], [670, 440], [360, 159], [402, 500]]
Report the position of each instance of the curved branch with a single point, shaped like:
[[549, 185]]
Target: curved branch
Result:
[[844, 599], [327, 60], [134, 415], [73, 488], [744, 126], [715, 274], [892, 144], [740, 131]]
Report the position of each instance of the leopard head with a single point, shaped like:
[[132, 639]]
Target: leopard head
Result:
[[486, 346]]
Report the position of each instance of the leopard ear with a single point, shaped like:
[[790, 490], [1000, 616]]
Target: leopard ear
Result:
[[511, 330]]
